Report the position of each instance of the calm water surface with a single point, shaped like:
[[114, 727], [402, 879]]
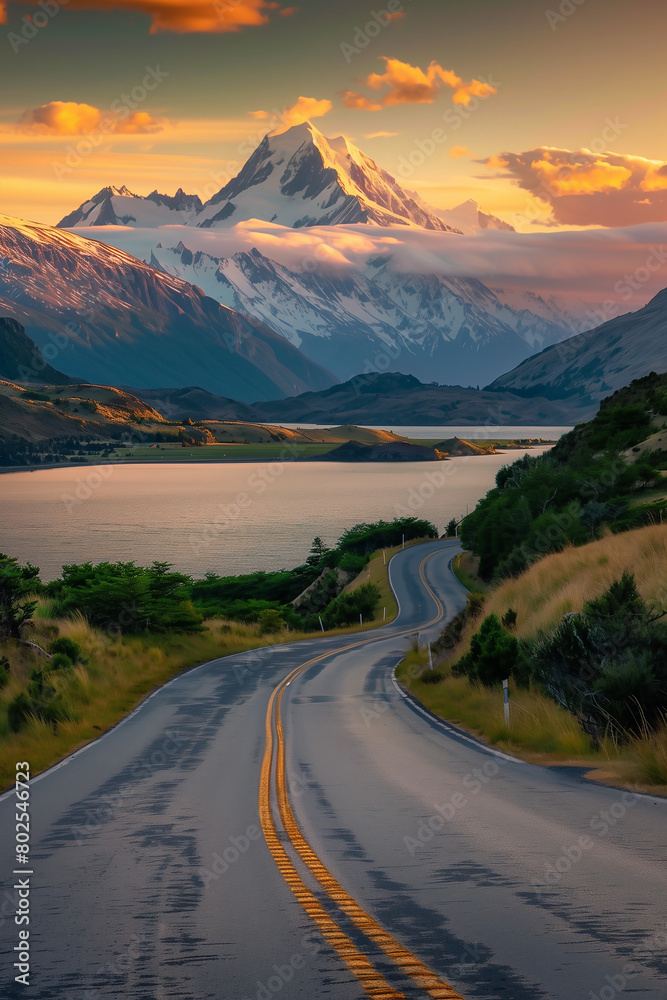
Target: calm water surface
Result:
[[222, 518]]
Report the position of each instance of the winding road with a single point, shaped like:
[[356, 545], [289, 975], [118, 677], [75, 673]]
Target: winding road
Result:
[[288, 823]]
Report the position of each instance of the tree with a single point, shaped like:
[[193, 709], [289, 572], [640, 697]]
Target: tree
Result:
[[493, 654], [16, 583], [318, 551], [451, 530]]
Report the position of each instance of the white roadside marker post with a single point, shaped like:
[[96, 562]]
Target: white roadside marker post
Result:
[[506, 695], [430, 657], [321, 624]]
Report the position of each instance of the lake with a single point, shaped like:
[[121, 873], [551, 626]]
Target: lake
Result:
[[222, 518]]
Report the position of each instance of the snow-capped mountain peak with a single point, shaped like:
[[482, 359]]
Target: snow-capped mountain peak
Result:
[[298, 177], [118, 206]]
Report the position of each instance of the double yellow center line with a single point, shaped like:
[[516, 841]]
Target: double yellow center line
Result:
[[275, 780]]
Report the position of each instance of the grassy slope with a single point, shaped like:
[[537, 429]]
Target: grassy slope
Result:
[[120, 672], [540, 730]]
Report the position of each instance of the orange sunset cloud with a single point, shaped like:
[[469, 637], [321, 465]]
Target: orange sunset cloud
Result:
[[69, 118], [216, 16], [411, 85], [305, 108], [585, 188]]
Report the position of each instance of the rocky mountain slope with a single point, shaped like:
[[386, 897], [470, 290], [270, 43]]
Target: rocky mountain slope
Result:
[[112, 319], [594, 364], [21, 359]]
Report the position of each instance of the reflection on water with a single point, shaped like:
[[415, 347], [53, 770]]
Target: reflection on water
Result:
[[222, 518]]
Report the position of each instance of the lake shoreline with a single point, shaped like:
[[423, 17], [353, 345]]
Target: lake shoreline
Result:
[[6, 469]]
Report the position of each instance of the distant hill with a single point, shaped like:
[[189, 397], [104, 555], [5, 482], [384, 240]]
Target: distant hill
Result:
[[598, 362], [197, 403], [402, 400], [395, 451], [82, 411], [21, 358]]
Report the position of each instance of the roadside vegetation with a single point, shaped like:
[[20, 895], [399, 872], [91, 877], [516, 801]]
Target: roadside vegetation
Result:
[[567, 564], [587, 661], [78, 653], [608, 474]]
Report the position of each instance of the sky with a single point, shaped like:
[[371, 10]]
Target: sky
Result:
[[550, 117]]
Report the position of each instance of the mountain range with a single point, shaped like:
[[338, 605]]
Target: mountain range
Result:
[[109, 318], [348, 320], [245, 327], [375, 317], [295, 177]]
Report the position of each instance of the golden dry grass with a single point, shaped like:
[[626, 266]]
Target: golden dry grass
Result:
[[562, 582], [540, 730]]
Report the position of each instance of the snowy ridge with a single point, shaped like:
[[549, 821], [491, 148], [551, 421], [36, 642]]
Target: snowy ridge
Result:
[[355, 320], [114, 206]]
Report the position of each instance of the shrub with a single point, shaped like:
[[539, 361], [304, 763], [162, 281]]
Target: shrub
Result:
[[16, 583], [68, 647], [431, 677], [270, 620], [346, 608], [509, 619], [493, 654], [60, 661], [351, 563], [19, 711], [608, 663], [4, 672], [451, 634]]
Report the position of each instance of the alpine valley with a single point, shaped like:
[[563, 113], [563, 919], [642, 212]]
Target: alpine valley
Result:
[[352, 278]]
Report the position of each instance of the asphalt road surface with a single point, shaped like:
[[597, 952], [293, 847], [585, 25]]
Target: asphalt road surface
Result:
[[256, 830]]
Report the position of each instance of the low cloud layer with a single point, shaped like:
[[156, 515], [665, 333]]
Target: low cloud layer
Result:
[[584, 188], [70, 118], [595, 273], [406, 84], [216, 16]]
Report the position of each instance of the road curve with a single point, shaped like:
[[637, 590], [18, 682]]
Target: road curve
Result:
[[426, 854]]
